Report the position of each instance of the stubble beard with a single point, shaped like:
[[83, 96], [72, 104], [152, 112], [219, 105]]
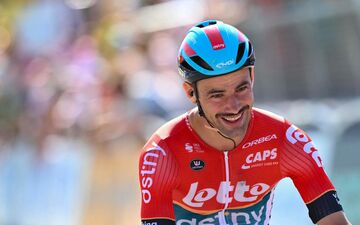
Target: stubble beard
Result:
[[238, 131]]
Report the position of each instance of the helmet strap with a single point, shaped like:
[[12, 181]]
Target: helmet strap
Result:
[[251, 75], [201, 111]]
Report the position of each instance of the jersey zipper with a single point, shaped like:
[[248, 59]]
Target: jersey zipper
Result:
[[226, 190]]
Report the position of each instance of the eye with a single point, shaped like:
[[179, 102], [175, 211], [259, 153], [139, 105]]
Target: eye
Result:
[[216, 95], [242, 88]]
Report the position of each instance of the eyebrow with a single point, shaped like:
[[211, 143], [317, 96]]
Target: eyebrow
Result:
[[218, 91]]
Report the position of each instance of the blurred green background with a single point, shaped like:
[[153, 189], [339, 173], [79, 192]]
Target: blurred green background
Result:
[[83, 83]]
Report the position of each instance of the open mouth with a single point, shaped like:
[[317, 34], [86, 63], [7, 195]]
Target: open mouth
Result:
[[233, 118]]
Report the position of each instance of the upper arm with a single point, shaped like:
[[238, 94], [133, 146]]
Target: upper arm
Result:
[[157, 177], [337, 218], [302, 163]]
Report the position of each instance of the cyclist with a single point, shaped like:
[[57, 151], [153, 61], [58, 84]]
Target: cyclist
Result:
[[219, 163]]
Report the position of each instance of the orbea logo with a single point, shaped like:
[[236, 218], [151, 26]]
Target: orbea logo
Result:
[[227, 63], [260, 140], [256, 159], [294, 134], [147, 181], [242, 193]]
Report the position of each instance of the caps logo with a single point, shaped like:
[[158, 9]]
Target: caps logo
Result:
[[260, 158]]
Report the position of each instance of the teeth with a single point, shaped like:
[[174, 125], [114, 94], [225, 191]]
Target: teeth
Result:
[[233, 118]]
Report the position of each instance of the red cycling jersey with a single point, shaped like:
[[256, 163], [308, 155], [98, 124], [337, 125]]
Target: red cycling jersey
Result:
[[185, 181]]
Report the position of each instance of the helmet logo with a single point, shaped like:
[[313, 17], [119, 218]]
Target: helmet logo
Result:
[[219, 46], [223, 64]]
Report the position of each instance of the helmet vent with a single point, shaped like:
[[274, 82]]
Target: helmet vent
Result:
[[240, 52], [186, 65], [201, 25], [250, 50], [201, 62]]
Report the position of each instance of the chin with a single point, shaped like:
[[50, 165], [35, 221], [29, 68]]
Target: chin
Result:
[[236, 131], [235, 134]]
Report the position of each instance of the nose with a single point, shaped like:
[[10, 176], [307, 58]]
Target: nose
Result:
[[233, 104]]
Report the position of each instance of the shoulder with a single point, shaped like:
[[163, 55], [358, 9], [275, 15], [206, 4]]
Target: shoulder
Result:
[[266, 118], [171, 131], [173, 127]]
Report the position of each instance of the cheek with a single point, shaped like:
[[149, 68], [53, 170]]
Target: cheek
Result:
[[250, 97], [247, 97], [212, 107]]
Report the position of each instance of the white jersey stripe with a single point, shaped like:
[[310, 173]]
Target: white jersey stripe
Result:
[[269, 207]]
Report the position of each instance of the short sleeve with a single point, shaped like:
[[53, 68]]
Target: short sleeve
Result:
[[157, 177], [300, 160]]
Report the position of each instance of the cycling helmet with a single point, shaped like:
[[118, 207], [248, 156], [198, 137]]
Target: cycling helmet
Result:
[[213, 48]]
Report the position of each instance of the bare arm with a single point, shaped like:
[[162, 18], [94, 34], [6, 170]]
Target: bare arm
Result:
[[337, 218]]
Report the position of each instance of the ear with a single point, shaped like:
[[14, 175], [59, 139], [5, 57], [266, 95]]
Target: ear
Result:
[[189, 90]]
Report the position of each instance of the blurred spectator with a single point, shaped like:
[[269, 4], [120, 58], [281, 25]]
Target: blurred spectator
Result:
[[84, 83]]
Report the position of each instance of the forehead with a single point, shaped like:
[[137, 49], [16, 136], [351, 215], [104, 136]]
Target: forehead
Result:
[[226, 81]]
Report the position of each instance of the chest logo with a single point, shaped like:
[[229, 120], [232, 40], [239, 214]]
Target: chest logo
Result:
[[259, 141], [191, 147], [257, 159], [226, 193], [197, 164], [294, 135]]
